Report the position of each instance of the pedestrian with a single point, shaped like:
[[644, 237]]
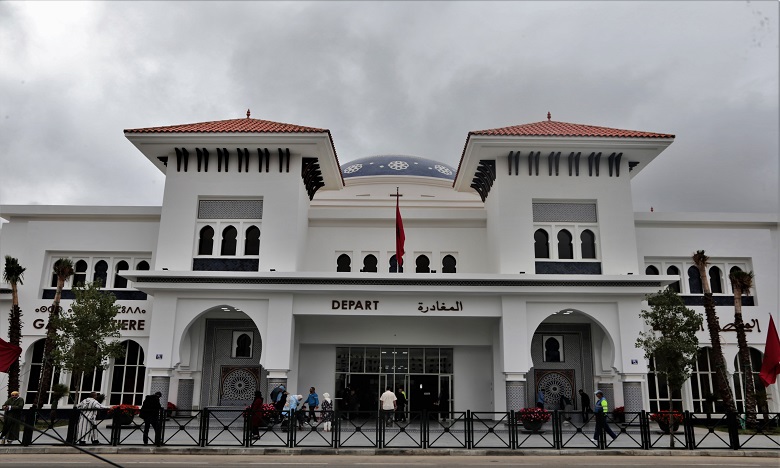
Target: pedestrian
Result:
[[400, 414], [87, 416], [13, 417], [540, 399], [353, 404], [150, 414], [279, 397], [326, 415], [256, 414], [600, 410], [565, 405], [388, 404], [313, 402], [444, 403], [585, 408]]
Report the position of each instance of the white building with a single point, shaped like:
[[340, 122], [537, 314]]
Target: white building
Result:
[[268, 262]]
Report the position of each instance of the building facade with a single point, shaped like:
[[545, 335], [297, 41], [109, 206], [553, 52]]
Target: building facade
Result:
[[269, 262]]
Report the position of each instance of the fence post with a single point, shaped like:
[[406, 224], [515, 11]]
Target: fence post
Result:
[[690, 441], [644, 430], [27, 417], [733, 426], [512, 431], [468, 429], [558, 429], [204, 427], [247, 415], [116, 428]]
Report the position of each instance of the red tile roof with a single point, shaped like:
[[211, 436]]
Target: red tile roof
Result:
[[246, 125], [552, 128]]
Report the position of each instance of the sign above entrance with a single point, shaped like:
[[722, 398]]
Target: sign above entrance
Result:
[[438, 307], [354, 305]]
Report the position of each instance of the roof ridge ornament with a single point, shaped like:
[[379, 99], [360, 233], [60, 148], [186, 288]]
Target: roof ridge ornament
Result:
[[549, 116], [247, 113]]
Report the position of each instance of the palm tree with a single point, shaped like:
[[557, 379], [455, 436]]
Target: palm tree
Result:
[[13, 274], [742, 283], [721, 375], [63, 270]]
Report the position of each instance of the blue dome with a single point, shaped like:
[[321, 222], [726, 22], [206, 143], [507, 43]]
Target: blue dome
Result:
[[397, 165]]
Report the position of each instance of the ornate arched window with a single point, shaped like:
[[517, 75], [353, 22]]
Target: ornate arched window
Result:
[[369, 264], [101, 272], [252, 241], [703, 382], [344, 263], [143, 265], [243, 346], [588, 240], [659, 391], [423, 264], [541, 244], [565, 250], [674, 271], [394, 268], [716, 280], [756, 358], [448, 264], [206, 241], [80, 273], [651, 270], [127, 376], [694, 280], [120, 282], [229, 235], [34, 376]]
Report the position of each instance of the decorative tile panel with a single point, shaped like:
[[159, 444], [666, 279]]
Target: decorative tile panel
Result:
[[632, 396], [515, 395], [160, 384], [217, 354], [578, 358], [230, 209], [564, 212], [185, 393]]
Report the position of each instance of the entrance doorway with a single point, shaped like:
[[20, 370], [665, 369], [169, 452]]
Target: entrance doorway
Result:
[[423, 392]]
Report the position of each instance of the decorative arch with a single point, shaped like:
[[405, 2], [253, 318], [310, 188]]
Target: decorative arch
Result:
[[229, 241], [565, 248], [343, 263], [80, 273], [206, 241], [119, 281], [423, 264], [588, 244], [674, 271], [716, 280], [651, 270], [369, 263], [34, 356], [449, 264], [127, 375], [252, 241], [694, 281], [541, 244], [101, 272]]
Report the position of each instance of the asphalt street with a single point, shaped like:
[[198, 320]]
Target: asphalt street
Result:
[[335, 461]]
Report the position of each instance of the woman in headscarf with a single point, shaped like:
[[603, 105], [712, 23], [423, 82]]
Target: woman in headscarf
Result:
[[256, 414], [326, 413]]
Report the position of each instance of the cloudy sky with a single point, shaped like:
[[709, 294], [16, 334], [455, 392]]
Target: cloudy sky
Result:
[[389, 77]]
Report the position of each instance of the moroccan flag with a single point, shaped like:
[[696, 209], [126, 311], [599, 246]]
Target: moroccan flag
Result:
[[9, 353], [771, 365], [400, 237]]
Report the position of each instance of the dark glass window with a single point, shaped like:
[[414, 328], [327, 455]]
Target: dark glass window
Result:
[[342, 359], [448, 264], [552, 350], [445, 358], [394, 268], [101, 272], [119, 282], [431, 360], [243, 346], [90, 382], [651, 270], [541, 244], [229, 235], [694, 280], [369, 264], [716, 280], [565, 250], [372, 360], [416, 361], [674, 271], [34, 376], [356, 357], [252, 241], [142, 265], [734, 269], [423, 264], [127, 380], [344, 263], [206, 241], [80, 274], [588, 240]]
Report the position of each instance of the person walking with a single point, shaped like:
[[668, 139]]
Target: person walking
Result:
[[256, 414], [388, 404], [87, 416], [585, 402], [540, 399], [313, 402], [600, 410], [444, 403], [400, 414], [326, 415], [150, 414], [13, 417]]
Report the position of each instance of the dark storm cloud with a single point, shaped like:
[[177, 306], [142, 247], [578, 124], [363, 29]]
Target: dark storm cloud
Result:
[[387, 77]]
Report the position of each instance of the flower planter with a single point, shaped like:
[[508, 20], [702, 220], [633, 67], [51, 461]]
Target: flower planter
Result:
[[533, 426], [665, 426]]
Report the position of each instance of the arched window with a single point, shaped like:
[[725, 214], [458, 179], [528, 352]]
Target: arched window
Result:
[[588, 240], [127, 376], [565, 250], [651, 270], [252, 242], [674, 271], [448, 264], [541, 244], [206, 241], [34, 376], [716, 280], [756, 357], [243, 346], [423, 264], [143, 265], [101, 272], [89, 382], [394, 268], [702, 382], [694, 280], [659, 391], [120, 282], [229, 235], [369, 264], [344, 263], [734, 269], [80, 273], [552, 350]]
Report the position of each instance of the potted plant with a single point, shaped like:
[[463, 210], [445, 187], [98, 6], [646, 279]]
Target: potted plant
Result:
[[124, 413], [533, 418], [619, 414], [663, 419]]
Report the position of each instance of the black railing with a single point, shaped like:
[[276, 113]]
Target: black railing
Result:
[[222, 426]]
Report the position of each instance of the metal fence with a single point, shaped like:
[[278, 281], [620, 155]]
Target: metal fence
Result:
[[230, 426]]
